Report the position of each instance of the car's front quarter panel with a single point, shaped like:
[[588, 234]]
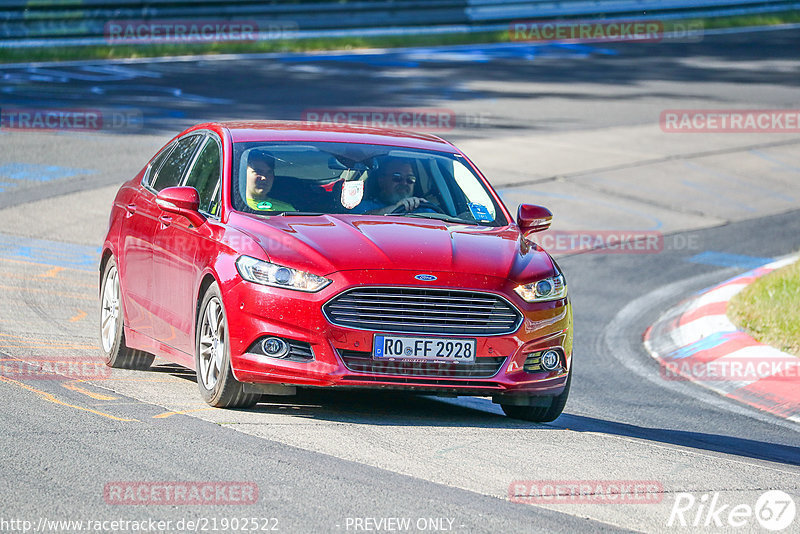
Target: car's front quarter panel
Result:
[[219, 246]]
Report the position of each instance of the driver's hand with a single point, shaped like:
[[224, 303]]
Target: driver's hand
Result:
[[410, 204]]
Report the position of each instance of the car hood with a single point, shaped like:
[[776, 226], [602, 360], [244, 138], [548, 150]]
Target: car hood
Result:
[[329, 243]]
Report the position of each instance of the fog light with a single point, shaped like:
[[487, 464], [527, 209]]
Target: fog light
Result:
[[550, 360], [275, 347]]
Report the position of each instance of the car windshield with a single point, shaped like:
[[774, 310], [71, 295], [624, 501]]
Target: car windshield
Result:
[[347, 178]]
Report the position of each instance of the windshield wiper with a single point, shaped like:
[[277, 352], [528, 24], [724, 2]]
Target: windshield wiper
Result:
[[439, 216], [309, 213]]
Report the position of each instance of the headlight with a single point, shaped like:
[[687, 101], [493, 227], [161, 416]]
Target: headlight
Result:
[[553, 288], [271, 274]]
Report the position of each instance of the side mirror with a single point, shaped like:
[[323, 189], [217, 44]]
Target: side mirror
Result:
[[181, 201], [532, 218]]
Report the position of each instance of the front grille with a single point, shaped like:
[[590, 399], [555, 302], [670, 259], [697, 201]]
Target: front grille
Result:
[[423, 311], [362, 362]]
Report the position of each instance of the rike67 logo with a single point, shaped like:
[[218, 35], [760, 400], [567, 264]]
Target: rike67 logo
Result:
[[774, 510]]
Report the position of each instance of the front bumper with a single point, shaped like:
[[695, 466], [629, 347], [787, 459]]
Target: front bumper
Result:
[[342, 355]]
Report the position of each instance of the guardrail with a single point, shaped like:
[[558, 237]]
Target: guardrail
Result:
[[42, 22]]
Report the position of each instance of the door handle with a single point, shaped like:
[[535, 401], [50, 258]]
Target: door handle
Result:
[[131, 209], [166, 220]]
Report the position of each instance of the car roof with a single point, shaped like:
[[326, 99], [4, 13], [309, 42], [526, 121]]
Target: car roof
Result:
[[248, 131]]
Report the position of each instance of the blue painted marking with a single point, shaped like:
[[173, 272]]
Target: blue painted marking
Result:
[[40, 251], [731, 178], [773, 159], [714, 340], [716, 194], [376, 60], [413, 57], [40, 173], [724, 259]]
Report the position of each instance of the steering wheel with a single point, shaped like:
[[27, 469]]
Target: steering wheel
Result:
[[424, 204]]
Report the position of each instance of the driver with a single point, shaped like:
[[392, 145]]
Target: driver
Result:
[[394, 186]]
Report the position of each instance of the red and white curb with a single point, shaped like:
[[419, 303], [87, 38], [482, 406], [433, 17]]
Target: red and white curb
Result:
[[695, 341]]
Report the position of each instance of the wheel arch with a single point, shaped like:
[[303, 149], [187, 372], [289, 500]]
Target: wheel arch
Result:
[[107, 253], [208, 279]]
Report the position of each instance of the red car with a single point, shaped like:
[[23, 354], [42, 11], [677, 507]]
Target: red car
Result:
[[268, 256]]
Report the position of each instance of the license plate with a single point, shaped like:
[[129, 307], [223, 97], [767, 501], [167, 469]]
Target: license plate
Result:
[[424, 348]]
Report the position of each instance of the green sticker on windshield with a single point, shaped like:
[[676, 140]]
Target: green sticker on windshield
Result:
[[264, 205]]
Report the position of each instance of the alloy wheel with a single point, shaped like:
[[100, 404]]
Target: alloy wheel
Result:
[[109, 314], [212, 344]]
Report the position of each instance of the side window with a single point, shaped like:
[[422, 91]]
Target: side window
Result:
[[156, 164], [478, 201], [171, 172], [213, 209], [204, 174]]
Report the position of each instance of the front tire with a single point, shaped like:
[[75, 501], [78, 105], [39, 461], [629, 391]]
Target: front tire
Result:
[[540, 414], [218, 386], [112, 335]]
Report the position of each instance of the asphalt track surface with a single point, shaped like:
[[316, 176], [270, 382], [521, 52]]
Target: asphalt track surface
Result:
[[571, 127]]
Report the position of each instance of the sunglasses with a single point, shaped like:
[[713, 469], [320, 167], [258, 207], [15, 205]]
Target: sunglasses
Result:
[[408, 178]]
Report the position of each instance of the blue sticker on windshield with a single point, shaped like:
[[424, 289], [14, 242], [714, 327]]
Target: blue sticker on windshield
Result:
[[480, 212]]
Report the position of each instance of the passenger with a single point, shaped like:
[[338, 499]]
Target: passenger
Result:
[[392, 185], [260, 178]]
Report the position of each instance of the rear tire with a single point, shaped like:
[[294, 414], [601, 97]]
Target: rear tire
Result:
[[218, 386], [540, 414], [112, 334]]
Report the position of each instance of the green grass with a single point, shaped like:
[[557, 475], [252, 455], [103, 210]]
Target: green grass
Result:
[[67, 53], [767, 19], [769, 309], [8, 55]]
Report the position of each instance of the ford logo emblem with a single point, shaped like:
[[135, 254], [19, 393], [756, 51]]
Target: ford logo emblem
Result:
[[425, 277]]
